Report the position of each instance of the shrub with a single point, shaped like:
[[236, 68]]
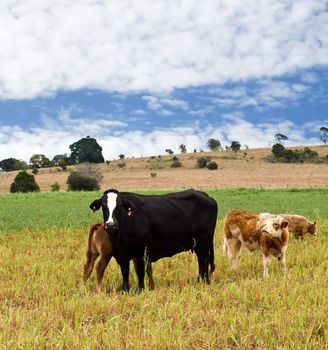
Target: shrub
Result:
[[278, 150], [175, 158], [121, 165], [153, 175], [176, 164], [212, 166], [35, 171], [55, 187], [202, 162], [24, 182], [78, 182]]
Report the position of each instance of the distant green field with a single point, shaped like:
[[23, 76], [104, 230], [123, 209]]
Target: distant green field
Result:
[[42, 211], [44, 303]]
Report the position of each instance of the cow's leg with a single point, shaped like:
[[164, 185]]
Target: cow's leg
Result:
[[233, 249], [100, 269], [266, 262], [149, 271], [125, 269], [203, 264], [282, 258], [88, 266], [141, 273]]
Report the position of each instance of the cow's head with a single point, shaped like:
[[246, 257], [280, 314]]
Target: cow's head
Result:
[[274, 225], [313, 228], [113, 207]]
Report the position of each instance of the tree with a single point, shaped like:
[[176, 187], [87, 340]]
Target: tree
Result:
[[12, 164], [169, 151], [280, 138], [278, 150], [24, 182], [40, 161], [77, 182], [121, 156], [324, 135], [61, 160], [214, 145], [86, 150], [235, 146], [183, 148]]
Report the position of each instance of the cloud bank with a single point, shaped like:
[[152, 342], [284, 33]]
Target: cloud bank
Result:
[[154, 46], [55, 135]]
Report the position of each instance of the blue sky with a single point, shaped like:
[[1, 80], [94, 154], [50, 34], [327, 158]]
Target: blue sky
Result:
[[144, 76]]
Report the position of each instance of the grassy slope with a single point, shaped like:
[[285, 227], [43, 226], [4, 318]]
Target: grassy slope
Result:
[[44, 304]]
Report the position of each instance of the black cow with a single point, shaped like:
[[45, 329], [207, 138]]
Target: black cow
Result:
[[151, 227]]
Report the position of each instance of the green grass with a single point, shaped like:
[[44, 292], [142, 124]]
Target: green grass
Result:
[[44, 303], [44, 211]]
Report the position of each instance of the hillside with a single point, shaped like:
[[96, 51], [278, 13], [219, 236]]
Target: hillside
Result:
[[249, 169]]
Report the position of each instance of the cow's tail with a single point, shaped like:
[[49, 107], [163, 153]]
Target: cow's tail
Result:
[[211, 259]]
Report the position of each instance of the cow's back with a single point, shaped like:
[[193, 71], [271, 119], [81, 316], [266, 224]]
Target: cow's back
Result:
[[178, 221], [243, 225]]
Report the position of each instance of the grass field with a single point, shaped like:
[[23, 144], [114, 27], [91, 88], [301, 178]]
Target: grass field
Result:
[[44, 303]]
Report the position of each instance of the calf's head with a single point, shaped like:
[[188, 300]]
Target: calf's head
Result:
[[274, 225], [113, 207], [312, 228]]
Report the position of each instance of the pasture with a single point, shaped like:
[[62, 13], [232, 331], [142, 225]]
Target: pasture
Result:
[[44, 303]]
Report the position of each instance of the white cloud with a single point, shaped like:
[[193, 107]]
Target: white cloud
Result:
[[54, 136], [154, 46]]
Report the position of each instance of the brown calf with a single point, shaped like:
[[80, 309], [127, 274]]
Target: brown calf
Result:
[[101, 245], [265, 232], [300, 226]]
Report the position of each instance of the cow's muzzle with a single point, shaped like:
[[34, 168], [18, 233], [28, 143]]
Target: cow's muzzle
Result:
[[109, 226]]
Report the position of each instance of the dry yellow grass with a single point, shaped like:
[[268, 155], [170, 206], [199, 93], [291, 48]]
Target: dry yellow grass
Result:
[[250, 170]]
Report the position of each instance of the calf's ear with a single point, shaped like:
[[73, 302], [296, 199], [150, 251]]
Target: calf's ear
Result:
[[95, 205], [284, 224], [314, 223]]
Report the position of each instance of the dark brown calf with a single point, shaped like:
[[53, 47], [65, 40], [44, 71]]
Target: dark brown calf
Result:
[[101, 245], [300, 226]]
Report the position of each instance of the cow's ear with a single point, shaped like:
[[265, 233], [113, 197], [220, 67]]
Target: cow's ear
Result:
[[95, 205], [127, 206], [314, 223], [284, 224]]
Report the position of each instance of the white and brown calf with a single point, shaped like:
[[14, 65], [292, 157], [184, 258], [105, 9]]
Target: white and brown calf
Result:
[[265, 232], [100, 245]]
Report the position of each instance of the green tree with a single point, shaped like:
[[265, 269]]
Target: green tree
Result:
[[214, 145], [169, 151], [12, 164], [121, 156], [86, 150], [78, 182], [183, 148], [40, 161], [235, 146], [61, 160], [278, 150], [24, 182]]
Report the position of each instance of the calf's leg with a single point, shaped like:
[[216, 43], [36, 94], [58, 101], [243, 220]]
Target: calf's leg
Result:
[[149, 271], [140, 265], [282, 259], [266, 262], [233, 249], [88, 266], [100, 269], [125, 269]]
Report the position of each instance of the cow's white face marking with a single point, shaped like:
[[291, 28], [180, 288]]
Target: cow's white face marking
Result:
[[111, 203], [272, 226]]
